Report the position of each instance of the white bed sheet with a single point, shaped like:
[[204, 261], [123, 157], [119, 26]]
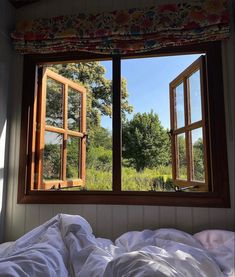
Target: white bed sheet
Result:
[[65, 246]]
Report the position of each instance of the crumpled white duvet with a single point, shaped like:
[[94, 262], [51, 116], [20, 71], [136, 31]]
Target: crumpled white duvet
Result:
[[65, 246]]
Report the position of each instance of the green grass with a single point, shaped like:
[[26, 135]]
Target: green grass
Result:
[[131, 180]]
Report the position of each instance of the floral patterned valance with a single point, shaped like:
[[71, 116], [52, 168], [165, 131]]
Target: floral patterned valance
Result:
[[126, 31]]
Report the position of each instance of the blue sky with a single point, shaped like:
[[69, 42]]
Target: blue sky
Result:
[[148, 83]]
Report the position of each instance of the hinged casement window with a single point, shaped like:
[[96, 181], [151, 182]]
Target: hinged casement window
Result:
[[56, 134], [188, 134], [49, 135]]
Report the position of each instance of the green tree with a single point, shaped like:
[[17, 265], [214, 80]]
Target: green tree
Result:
[[198, 157], [182, 155], [146, 143], [91, 75]]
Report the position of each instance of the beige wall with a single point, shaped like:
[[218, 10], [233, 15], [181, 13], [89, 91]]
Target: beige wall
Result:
[[108, 220], [6, 20]]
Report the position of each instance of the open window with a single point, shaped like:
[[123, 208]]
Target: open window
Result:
[[59, 139], [188, 134], [122, 140]]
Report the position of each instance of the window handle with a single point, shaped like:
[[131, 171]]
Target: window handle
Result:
[[179, 189]]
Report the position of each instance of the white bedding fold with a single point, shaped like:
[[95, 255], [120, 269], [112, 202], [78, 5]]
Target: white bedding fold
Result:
[[65, 246]]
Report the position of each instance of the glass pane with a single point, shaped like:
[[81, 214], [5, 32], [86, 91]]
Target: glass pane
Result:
[[179, 105], [181, 157], [198, 155], [146, 145], [54, 103], [73, 157], [99, 124], [52, 156], [195, 96], [74, 110]]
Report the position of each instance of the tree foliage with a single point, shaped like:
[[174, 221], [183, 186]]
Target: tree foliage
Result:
[[91, 75], [146, 143], [198, 157]]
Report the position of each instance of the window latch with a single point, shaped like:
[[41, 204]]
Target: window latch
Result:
[[179, 189]]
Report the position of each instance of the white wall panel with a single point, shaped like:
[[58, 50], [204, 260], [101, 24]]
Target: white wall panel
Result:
[[108, 220], [151, 217], [45, 213], [135, 218], [104, 221], [200, 219], [60, 209], [218, 218], [119, 220], [89, 213], [184, 219], [75, 209], [167, 217], [32, 217]]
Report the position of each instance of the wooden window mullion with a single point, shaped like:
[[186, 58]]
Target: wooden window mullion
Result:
[[82, 151], [173, 135], [41, 127], [187, 133], [116, 124], [65, 136], [203, 108]]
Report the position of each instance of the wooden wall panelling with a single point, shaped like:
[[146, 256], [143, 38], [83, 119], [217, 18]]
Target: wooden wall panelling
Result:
[[218, 218], [184, 219], [89, 213], [119, 220], [60, 209], [17, 226], [167, 217], [200, 219], [151, 217], [75, 209], [104, 221], [45, 213], [32, 217], [135, 218]]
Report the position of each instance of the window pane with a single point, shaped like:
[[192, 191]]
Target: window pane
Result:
[[179, 105], [146, 145], [54, 103], [73, 157], [195, 96], [74, 110], [98, 77], [181, 157], [198, 155], [52, 156]]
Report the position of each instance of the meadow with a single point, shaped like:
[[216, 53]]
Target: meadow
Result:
[[147, 180]]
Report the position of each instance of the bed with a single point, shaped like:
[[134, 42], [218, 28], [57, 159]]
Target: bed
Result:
[[65, 246]]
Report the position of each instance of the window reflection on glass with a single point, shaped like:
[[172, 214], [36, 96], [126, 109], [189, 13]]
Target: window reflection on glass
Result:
[[73, 157], [54, 103], [181, 157], [195, 96], [198, 155], [52, 156], [179, 95], [74, 110]]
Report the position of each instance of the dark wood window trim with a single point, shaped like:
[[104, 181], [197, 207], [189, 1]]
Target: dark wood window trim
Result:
[[214, 121]]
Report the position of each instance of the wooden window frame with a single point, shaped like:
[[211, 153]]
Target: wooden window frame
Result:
[[40, 127], [189, 126], [219, 195]]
